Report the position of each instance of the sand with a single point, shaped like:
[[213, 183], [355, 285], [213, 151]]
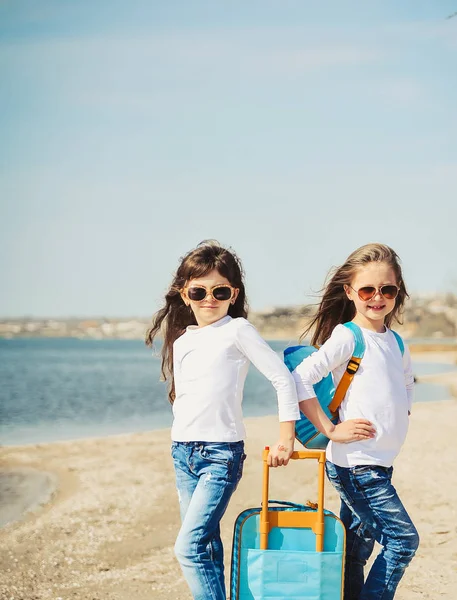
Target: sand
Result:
[[108, 528]]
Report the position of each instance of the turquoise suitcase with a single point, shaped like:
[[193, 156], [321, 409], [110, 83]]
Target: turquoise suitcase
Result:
[[288, 551]]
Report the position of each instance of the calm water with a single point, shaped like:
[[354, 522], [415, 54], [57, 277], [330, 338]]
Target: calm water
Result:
[[56, 389]]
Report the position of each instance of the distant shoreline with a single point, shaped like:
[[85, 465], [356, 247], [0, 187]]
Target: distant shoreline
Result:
[[423, 345], [432, 316]]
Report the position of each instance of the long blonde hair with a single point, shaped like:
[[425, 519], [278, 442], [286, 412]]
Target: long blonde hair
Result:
[[335, 307]]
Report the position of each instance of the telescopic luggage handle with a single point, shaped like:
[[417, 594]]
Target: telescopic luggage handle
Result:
[[312, 519]]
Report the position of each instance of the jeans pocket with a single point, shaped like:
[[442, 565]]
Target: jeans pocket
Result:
[[361, 469], [366, 476], [219, 454]]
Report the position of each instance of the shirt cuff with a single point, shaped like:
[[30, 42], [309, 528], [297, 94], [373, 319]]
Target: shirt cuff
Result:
[[289, 413]]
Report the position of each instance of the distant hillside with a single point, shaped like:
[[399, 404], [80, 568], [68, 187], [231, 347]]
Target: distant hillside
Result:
[[424, 317]]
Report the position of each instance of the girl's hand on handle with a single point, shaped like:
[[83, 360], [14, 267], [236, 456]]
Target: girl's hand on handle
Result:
[[352, 430], [280, 453]]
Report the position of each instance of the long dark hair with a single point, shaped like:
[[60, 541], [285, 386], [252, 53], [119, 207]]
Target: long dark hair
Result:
[[175, 316], [335, 307]]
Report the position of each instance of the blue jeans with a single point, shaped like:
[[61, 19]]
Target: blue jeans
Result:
[[207, 474], [371, 510]]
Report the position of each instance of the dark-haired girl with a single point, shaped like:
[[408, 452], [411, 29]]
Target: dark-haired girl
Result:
[[207, 348]]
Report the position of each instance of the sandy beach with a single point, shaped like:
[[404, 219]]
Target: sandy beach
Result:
[[110, 514]]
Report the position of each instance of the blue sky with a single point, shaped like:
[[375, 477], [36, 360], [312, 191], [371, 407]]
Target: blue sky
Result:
[[293, 131]]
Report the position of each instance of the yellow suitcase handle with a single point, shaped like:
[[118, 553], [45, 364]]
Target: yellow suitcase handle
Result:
[[312, 520]]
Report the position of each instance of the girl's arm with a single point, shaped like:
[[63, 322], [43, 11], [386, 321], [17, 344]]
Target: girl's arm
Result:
[[336, 351], [348, 431], [256, 349]]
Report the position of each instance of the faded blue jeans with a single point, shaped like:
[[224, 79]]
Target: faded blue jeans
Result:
[[207, 474], [371, 510]]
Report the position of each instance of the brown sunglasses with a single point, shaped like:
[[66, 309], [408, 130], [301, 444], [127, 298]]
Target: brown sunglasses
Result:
[[390, 292]]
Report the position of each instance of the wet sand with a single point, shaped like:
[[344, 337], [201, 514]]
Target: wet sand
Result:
[[23, 490], [108, 530]]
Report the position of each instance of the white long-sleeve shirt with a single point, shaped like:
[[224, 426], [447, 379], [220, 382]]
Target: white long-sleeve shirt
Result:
[[210, 366], [381, 391]]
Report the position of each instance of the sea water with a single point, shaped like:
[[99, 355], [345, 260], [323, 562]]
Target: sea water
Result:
[[58, 389]]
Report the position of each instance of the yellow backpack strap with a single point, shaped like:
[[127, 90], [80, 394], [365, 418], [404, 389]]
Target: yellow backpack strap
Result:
[[351, 368], [340, 392]]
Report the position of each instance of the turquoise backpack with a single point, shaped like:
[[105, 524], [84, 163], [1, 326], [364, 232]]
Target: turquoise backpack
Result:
[[329, 398]]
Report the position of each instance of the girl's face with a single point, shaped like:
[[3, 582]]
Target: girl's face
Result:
[[372, 312], [209, 309]]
